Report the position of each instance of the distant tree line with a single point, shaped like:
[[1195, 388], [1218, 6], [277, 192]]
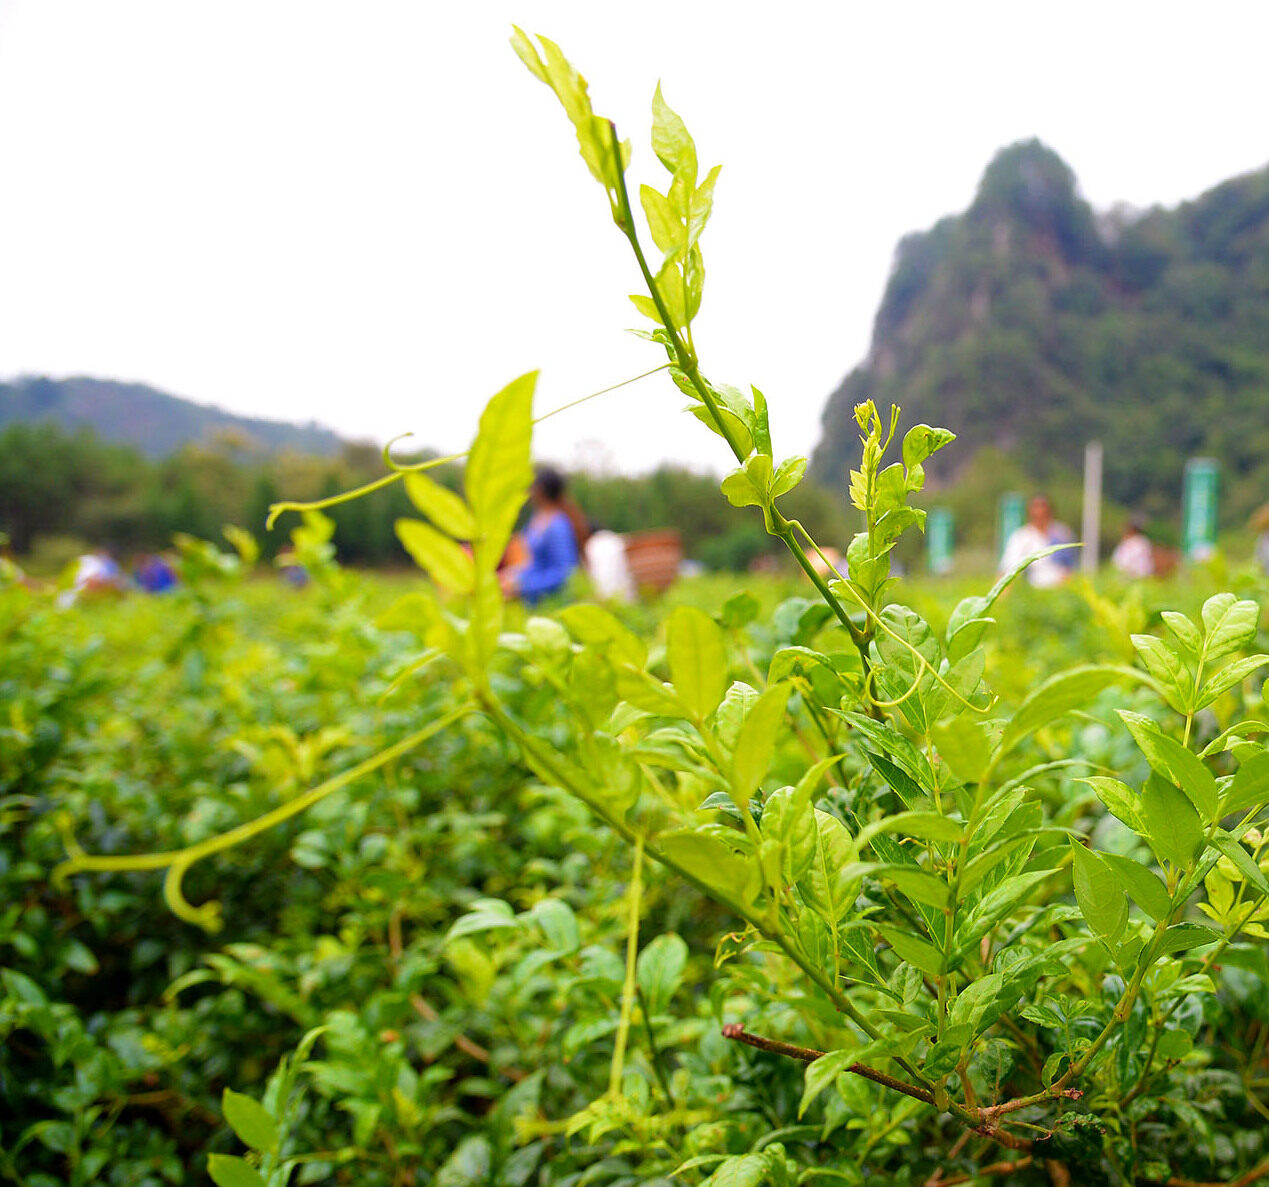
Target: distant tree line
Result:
[[58, 483]]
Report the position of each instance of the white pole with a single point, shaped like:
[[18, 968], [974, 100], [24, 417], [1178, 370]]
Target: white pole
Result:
[[1092, 525]]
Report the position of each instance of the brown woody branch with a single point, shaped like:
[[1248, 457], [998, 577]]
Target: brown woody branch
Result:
[[988, 1125], [736, 1030], [995, 1168], [428, 1013], [1259, 1171]]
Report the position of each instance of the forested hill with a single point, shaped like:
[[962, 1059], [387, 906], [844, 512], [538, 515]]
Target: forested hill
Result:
[[156, 423], [1032, 324]]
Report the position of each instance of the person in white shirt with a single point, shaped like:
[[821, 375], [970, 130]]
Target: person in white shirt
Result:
[[1134, 554], [1041, 531]]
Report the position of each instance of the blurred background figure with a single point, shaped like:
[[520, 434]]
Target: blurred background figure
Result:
[[553, 539], [1134, 554], [1260, 524], [154, 573], [1041, 531], [607, 565], [96, 573]]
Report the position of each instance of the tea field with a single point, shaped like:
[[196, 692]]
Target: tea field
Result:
[[423, 976]]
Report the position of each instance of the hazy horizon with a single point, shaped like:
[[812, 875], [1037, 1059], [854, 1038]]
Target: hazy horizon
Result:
[[374, 218]]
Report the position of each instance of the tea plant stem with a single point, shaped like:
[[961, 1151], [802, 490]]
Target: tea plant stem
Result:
[[178, 861], [685, 357], [1208, 960], [654, 1051], [631, 985]]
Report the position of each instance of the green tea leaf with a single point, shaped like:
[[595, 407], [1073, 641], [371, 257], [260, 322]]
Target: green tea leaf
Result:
[[740, 1170], [557, 921], [1100, 895], [1188, 637], [966, 637], [659, 971], [249, 1119], [1227, 677], [499, 474], [828, 888], [1174, 762], [965, 744], [1229, 624], [908, 790], [671, 142], [1060, 695], [739, 491], [789, 818], [649, 694], [917, 884], [1246, 864], [923, 826], [698, 659], [913, 949], [757, 739], [920, 441], [973, 1001], [446, 562], [702, 205], [739, 610], [1172, 825], [823, 1072], [788, 474], [712, 863], [1174, 678], [1227, 739], [596, 627], [1143, 886], [1181, 937], [1249, 787], [441, 505], [668, 232], [228, 1170], [1120, 799]]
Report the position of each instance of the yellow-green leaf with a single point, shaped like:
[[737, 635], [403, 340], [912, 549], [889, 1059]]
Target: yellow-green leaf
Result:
[[757, 739], [442, 506], [249, 1119], [1100, 895], [447, 563], [698, 659], [499, 472]]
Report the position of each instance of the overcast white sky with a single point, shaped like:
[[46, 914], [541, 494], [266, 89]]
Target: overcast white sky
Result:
[[370, 215]]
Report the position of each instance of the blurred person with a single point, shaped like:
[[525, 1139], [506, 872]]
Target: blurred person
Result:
[[1134, 554], [96, 573], [550, 540], [1260, 523], [154, 573], [1041, 531]]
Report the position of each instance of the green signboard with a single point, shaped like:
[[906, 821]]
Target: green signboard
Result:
[[1013, 514], [1198, 508], [939, 540]]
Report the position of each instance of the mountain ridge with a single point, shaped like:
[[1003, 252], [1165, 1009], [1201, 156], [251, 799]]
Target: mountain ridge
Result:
[[156, 422], [1030, 324]]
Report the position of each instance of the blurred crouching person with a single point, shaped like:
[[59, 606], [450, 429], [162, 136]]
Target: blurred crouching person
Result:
[[553, 540], [1134, 554]]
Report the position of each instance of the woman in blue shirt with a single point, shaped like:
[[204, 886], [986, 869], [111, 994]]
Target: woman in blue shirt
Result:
[[551, 541]]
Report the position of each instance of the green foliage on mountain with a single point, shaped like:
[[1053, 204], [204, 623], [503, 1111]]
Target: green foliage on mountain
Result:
[[1034, 325], [156, 423]]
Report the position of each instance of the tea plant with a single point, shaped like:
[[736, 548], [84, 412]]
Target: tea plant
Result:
[[916, 915]]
